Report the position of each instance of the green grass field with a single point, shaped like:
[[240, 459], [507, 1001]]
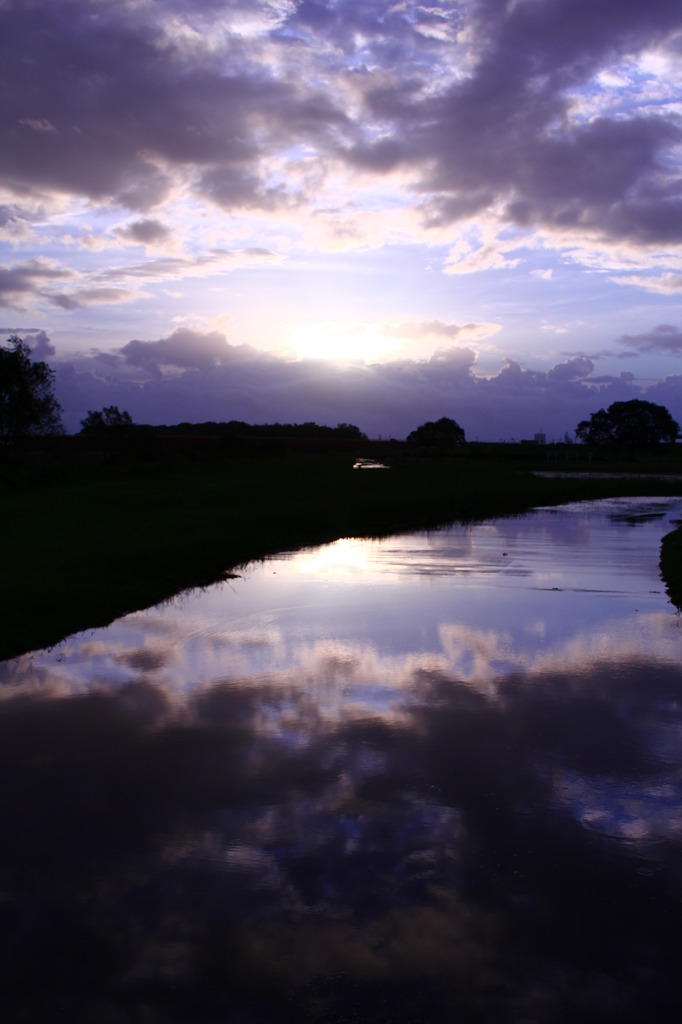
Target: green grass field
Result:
[[83, 546]]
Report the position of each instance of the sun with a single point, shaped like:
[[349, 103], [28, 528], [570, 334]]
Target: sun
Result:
[[342, 340]]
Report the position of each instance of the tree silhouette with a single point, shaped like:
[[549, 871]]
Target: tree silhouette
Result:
[[27, 403], [103, 421], [629, 425], [443, 434], [111, 432]]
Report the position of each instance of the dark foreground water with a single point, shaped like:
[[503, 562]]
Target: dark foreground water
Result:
[[435, 778]]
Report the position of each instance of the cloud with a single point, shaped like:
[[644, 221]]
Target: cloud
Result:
[[663, 338], [24, 285], [468, 258], [92, 297], [37, 124], [418, 329], [128, 106], [21, 282], [147, 231], [184, 348], [663, 284], [509, 111], [38, 341], [19, 330], [40, 345], [215, 261], [197, 376], [573, 369], [15, 224], [528, 136], [511, 135]]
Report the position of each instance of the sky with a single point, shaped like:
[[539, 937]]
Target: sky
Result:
[[356, 211]]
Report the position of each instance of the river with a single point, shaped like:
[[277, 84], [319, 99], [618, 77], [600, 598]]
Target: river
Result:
[[434, 777]]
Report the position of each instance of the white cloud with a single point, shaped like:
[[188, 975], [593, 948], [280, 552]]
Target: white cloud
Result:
[[664, 284]]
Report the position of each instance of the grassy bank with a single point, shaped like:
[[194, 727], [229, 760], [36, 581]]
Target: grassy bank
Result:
[[82, 548]]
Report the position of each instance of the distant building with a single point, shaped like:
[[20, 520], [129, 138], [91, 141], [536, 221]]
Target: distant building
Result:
[[540, 438]]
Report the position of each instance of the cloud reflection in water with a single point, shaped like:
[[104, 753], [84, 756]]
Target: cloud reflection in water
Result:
[[252, 804]]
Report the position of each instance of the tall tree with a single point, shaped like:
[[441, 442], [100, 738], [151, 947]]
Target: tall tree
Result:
[[27, 403], [629, 425]]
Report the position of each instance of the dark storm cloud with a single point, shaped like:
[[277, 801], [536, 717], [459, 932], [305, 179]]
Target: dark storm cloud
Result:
[[229, 186], [195, 376], [507, 134], [663, 338], [114, 101], [102, 102]]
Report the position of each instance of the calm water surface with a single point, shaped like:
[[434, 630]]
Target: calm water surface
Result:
[[431, 778]]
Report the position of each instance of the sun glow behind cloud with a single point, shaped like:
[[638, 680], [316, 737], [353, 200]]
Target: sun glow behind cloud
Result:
[[341, 342]]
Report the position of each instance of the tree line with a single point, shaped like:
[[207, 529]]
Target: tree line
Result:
[[238, 429], [28, 408]]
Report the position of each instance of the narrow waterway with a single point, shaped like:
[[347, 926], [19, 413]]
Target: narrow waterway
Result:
[[434, 777]]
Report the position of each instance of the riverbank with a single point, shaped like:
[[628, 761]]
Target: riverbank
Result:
[[82, 549], [671, 565]]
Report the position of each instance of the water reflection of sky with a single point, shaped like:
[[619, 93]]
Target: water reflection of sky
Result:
[[479, 601], [432, 777]]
